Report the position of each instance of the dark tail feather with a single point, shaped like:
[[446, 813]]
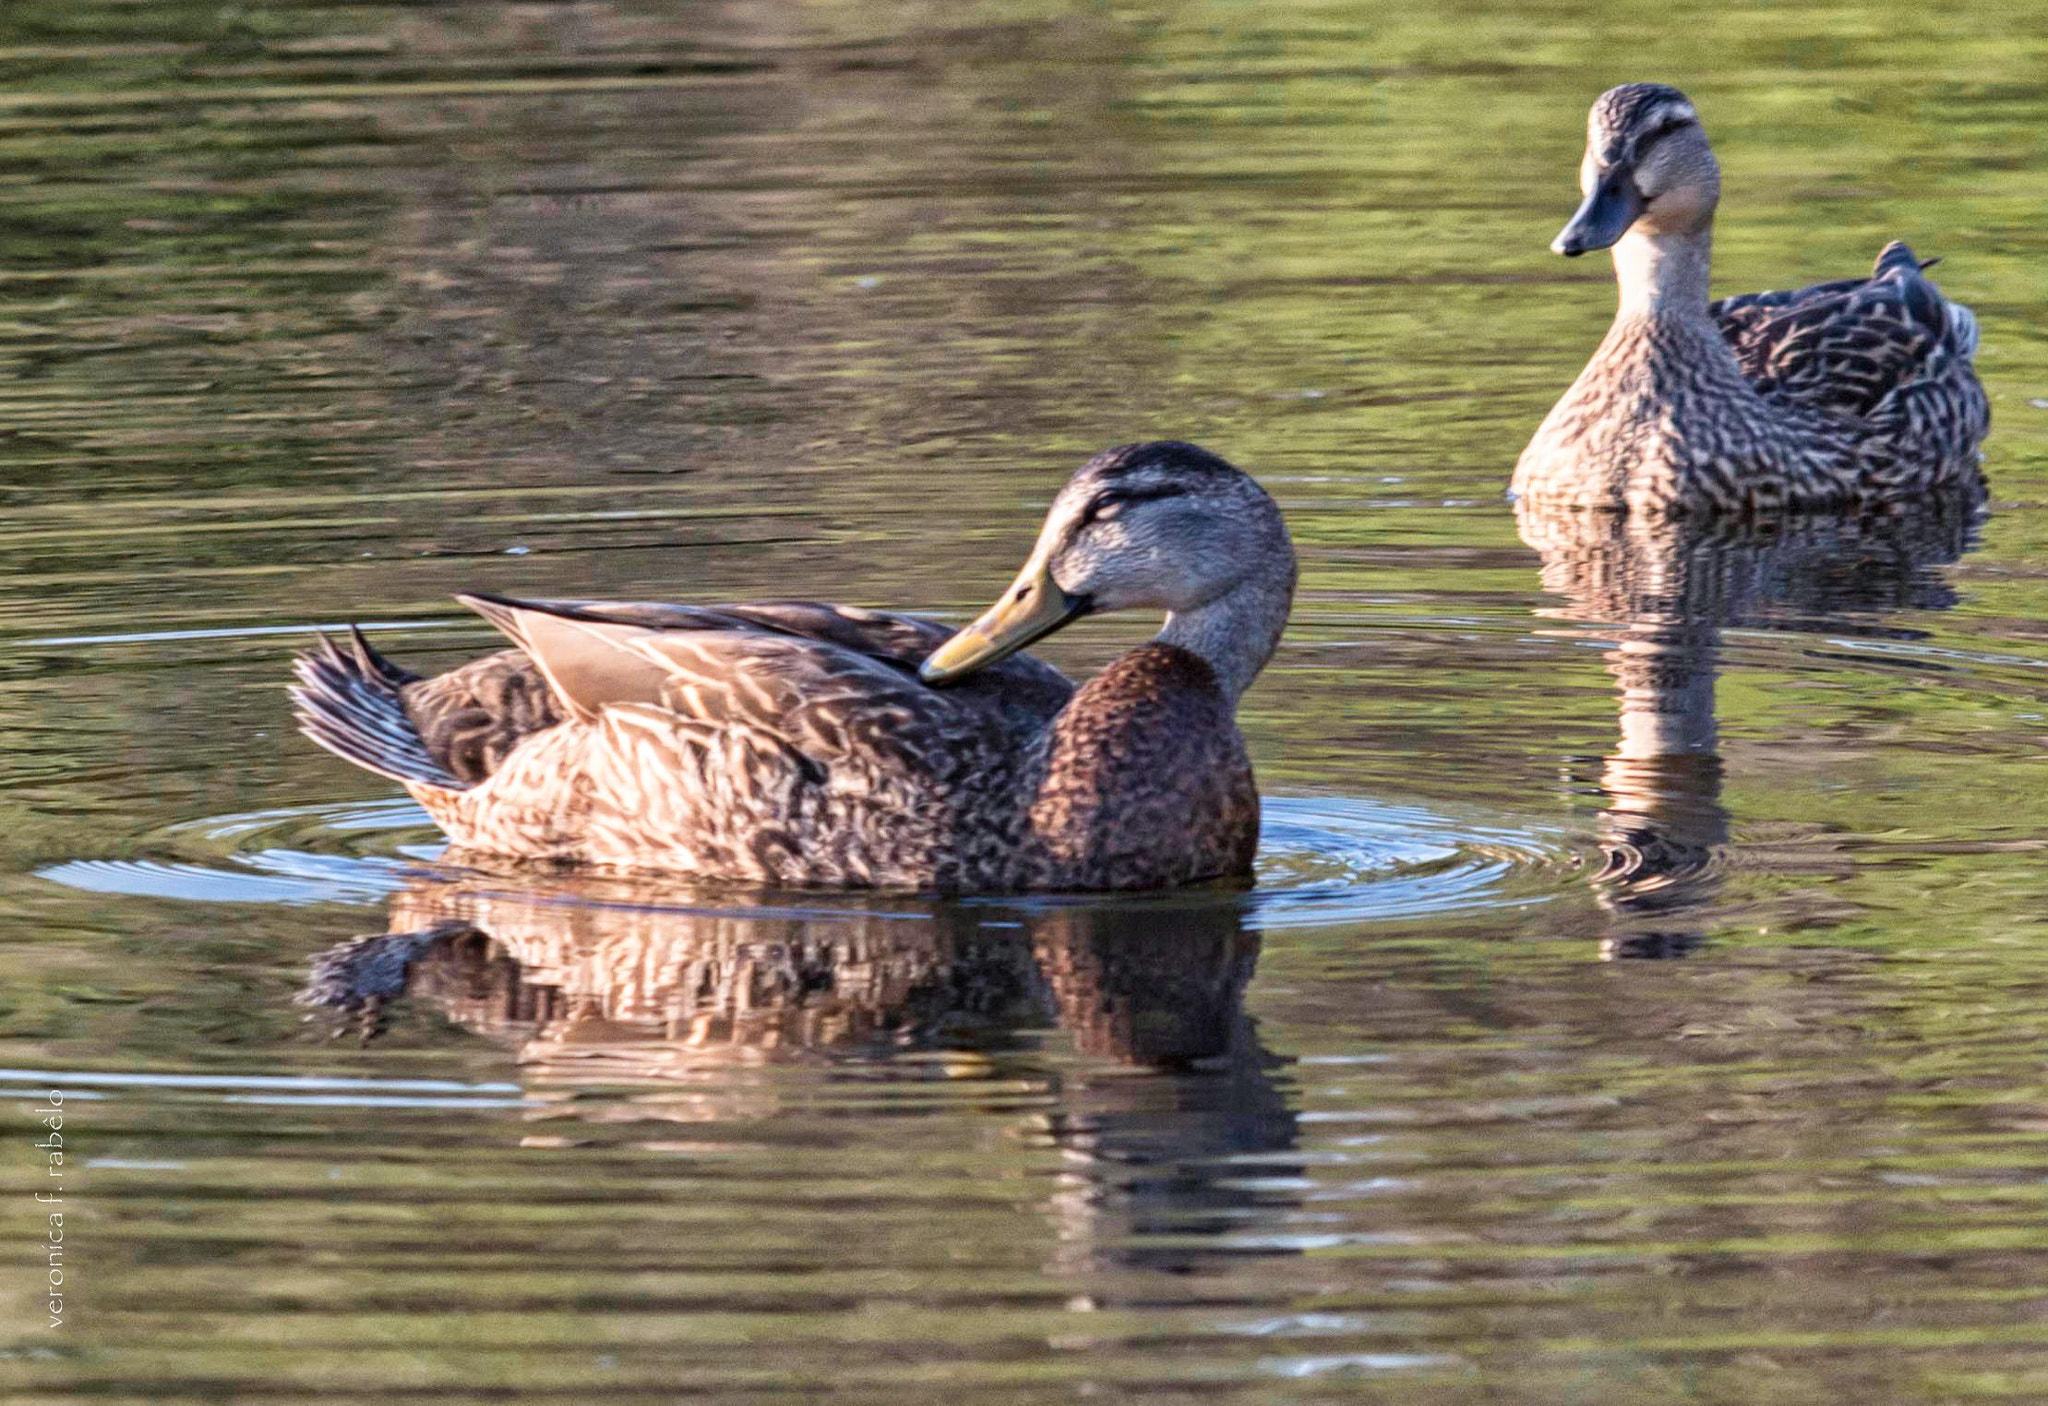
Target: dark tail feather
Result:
[[1898, 257], [1922, 301], [349, 702]]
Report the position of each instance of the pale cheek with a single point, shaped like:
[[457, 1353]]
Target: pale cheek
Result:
[[1684, 208]]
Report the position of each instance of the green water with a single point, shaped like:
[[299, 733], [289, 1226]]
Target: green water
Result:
[[316, 312]]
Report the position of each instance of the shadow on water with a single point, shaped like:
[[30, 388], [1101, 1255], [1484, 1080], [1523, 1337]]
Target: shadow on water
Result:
[[672, 997], [1673, 586]]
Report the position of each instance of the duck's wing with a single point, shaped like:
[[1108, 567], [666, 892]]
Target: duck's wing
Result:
[[1842, 347], [816, 704], [1024, 691], [457, 728], [1027, 689]]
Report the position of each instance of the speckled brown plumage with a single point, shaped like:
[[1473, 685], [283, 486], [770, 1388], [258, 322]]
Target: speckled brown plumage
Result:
[[1097, 808], [796, 744], [1852, 391], [473, 716], [853, 777], [1847, 346]]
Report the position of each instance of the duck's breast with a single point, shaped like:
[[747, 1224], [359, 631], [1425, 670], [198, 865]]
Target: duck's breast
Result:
[[1145, 782]]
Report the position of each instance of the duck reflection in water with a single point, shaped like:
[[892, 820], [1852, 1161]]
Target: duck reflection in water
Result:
[[1665, 589], [688, 998]]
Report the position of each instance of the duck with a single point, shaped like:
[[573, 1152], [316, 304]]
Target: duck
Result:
[[802, 744], [1855, 391]]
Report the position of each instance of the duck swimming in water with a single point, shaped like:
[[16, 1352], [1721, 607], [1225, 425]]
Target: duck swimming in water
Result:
[[798, 743], [1858, 390]]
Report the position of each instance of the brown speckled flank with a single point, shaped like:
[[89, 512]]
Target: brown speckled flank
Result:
[[1857, 390], [795, 743]]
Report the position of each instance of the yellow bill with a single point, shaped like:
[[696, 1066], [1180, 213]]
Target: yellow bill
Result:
[[1031, 609]]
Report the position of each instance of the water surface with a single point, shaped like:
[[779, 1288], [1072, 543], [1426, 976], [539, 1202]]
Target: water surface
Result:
[[321, 312]]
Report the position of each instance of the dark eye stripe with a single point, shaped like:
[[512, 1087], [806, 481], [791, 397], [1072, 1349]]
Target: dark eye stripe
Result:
[[1659, 133], [1129, 495]]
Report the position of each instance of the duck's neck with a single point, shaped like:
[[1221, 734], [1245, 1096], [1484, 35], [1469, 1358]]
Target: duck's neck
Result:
[[1236, 633], [1663, 276]]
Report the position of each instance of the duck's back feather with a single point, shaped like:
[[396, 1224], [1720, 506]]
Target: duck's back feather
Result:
[[464, 723], [1842, 347], [471, 717], [829, 702]]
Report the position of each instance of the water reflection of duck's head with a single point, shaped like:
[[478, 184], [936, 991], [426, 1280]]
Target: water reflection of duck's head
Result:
[[1661, 590], [595, 980]]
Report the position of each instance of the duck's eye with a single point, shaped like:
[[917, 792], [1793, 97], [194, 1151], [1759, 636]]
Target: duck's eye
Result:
[[1106, 508], [1108, 504], [1658, 133]]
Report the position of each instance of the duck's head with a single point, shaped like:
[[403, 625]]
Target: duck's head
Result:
[[1155, 526], [1647, 166]]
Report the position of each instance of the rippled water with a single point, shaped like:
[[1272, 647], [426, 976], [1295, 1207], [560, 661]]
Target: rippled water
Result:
[[1322, 860], [319, 313]]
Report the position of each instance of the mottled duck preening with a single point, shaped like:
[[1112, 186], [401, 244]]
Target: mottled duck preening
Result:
[[1858, 390], [797, 743]]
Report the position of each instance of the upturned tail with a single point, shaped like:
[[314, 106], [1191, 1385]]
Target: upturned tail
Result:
[[1897, 257], [1924, 301], [350, 702]]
